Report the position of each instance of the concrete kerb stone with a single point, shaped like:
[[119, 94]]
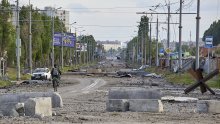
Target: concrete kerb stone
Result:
[[145, 105], [38, 106], [22, 97], [117, 105], [208, 106], [133, 93]]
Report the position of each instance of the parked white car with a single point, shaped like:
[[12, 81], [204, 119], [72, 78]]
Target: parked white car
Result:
[[41, 74]]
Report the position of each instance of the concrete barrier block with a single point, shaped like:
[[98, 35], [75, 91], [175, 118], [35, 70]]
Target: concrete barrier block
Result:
[[145, 105], [8, 109], [133, 93], [208, 106], [118, 105], [22, 97], [38, 106]]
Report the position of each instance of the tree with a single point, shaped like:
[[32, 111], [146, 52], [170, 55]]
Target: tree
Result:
[[7, 33], [214, 30]]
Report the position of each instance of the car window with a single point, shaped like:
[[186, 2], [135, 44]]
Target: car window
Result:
[[41, 70]]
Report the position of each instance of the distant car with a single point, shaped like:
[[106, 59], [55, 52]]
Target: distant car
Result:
[[41, 74]]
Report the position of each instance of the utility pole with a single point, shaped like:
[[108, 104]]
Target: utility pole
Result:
[[87, 52], [75, 51], [142, 48], [197, 33], [157, 60], [62, 34], [137, 50], [149, 57], [168, 35], [30, 39], [52, 37], [18, 42], [180, 35]]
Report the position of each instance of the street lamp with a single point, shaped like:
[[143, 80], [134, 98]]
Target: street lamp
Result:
[[75, 51], [53, 10], [71, 62], [80, 45]]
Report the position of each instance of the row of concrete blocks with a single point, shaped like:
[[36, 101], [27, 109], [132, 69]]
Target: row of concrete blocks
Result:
[[152, 105], [29, 104], [134, 99]]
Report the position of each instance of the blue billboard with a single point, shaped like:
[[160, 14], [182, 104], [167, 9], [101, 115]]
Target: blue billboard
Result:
[[68, 39]]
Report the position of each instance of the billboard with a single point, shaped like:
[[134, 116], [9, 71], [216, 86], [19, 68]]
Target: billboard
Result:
[[68, 39]]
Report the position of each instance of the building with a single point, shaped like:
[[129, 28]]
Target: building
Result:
[[110, 45], [63, 15]]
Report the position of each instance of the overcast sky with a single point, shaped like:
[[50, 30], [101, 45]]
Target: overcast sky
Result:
[[117, 19]]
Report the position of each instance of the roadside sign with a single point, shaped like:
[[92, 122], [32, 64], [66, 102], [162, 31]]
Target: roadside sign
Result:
[[208, 41]]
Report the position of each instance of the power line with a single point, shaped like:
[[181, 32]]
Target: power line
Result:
[[109, 26]]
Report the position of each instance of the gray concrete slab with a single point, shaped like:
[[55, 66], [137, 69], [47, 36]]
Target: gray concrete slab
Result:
[[133, 93], [208, 106], [22, 97], [145, 105], [38, 106], [117, 105]]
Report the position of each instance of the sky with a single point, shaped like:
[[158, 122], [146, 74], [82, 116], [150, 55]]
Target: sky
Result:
[[117, 19]]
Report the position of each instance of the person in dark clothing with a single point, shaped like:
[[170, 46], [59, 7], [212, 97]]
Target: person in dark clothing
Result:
[[56, 73]]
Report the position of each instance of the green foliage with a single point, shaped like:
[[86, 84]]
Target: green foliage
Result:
[[214, 30], [5, 83], [7, 32]]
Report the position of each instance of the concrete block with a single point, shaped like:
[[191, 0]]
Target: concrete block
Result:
[[208, 106], [22, 97], [9, 109], [133, 93], [179, 99], [38, 106], [117, 105], [145, 105]]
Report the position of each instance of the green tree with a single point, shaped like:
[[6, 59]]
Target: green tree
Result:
[[214, 30], [7, 33]]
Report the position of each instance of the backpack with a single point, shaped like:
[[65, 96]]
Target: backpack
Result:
[[55, 72]]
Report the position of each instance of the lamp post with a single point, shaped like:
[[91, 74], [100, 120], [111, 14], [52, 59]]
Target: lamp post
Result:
[[30, 40], [53, 10], [71, 62], [75, 48], [80, 45]]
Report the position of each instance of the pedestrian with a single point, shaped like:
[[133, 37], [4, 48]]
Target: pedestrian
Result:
[[55, 72]]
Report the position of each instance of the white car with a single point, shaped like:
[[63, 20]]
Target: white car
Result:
[[41, 74]]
